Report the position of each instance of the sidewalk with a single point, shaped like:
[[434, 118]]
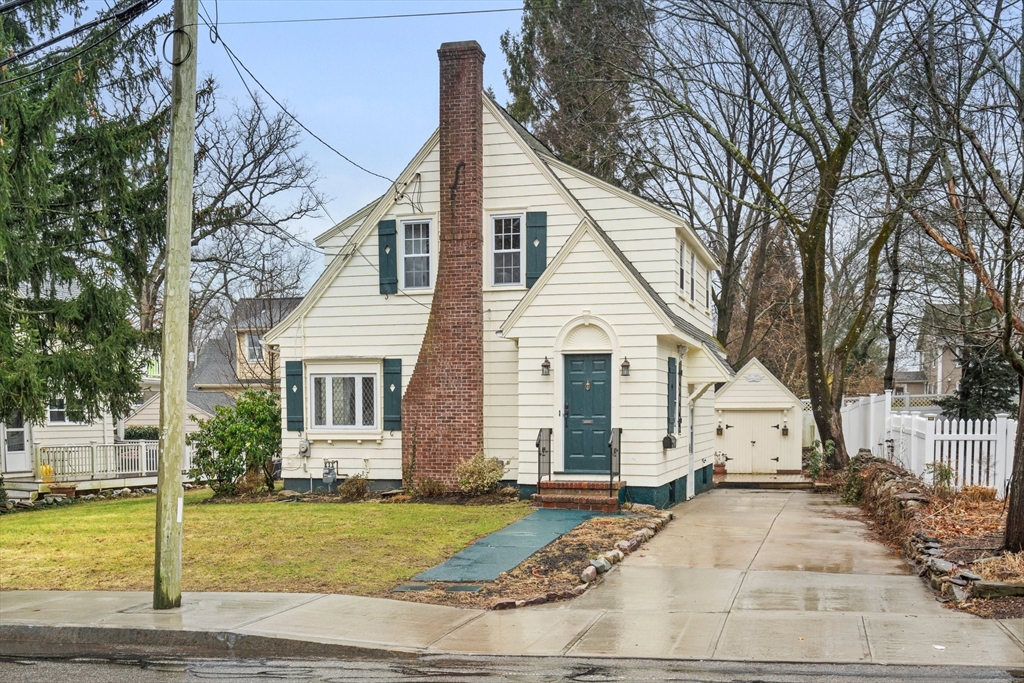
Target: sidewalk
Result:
[[788, 584]]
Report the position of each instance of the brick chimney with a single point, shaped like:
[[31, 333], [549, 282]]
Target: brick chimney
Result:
[[443, 405]]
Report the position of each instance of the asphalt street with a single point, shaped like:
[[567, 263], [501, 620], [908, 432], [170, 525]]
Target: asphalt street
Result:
[[443, 669]]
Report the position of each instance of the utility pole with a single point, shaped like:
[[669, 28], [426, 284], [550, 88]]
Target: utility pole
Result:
[[174, 348]]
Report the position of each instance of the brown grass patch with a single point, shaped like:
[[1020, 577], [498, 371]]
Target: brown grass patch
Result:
[[1008, 568]]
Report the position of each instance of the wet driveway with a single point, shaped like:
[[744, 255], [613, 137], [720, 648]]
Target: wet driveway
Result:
[[783, 576]]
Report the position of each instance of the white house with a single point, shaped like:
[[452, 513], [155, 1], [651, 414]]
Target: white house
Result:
[[760, 423], [494, 295], [18, 438]]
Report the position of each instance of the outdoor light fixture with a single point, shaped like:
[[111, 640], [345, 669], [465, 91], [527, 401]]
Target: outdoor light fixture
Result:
[[625, 367], [545, 367], [719, 430], [785, 427]]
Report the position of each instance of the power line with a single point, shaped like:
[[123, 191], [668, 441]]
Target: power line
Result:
[[370, 17], [295, 119], [125, 16]]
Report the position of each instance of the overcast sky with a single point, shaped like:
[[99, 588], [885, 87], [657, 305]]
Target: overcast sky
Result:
[[369, 88]]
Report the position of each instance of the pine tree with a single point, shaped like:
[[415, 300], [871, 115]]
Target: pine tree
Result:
[[563, 84], [988, 385], [67, 190]]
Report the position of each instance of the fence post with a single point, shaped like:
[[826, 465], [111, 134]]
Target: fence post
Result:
[[1001, 464], [929, 440], [914, 450]]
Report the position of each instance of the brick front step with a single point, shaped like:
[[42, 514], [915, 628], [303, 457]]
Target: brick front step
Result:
[[575, 502], [581, 485]]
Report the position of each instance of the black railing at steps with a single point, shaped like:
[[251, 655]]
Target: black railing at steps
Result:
[[543, 455], [615, 461]]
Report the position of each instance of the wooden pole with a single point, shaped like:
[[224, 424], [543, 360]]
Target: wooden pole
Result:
[[174, 348]]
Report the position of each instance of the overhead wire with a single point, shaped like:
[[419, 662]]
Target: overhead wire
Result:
[[312, 20], [233, 58]]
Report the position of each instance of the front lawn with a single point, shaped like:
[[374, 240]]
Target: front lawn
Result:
[[356, 548]]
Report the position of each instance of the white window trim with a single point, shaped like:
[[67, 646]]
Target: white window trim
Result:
[[707, 289], [521, 215], [374, 428], [61, 423], [249, 349], [681, 251], [434, 246], [693, 275]]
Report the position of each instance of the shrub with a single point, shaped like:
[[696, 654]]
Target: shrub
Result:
[[817, 457], [354, 488], [139, 433], [429, 488], [238, 440], [942, 477], [3, 491], [479, 475]]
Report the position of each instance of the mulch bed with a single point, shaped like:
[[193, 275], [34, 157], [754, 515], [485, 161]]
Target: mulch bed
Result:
[[552, 571], [500, 497]]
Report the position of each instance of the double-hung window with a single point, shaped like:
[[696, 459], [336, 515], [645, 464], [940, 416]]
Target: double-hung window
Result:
[[507, 235], [58, 412], [347, 401], [416, 254], [254, 347], [682, 267], [693, 275]]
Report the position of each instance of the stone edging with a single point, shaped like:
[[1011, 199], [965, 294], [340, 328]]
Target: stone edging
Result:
[[594, 572], [952, 582]]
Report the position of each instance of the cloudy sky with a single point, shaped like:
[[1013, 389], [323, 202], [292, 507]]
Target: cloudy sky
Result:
[[368, 87]]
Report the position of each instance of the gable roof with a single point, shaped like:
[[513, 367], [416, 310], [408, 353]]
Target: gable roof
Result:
[[255, 314], [373, 215], [755, 364], [345, 223], [542, 159]]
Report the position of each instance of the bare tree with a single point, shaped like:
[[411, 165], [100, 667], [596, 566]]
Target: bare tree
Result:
[[820, 70], [972, 72]]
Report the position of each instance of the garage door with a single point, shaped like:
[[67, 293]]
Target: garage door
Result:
[[752, 441]]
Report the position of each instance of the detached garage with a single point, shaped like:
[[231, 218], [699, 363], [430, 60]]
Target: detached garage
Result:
[[759, 423]]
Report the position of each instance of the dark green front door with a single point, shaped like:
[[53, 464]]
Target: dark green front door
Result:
[[588, 412]]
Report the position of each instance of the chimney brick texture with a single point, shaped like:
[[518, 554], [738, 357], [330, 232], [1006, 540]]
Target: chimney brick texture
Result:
[[443, 405]]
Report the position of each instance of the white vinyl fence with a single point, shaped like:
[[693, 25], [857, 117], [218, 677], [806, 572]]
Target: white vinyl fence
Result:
[[75, 462], [978, 452]]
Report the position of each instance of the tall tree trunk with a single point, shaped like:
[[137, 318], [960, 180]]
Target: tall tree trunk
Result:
[[1013, 540], [754, 298], [890, 311]]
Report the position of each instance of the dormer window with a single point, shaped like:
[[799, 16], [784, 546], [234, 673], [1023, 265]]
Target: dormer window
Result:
[[254, 347]]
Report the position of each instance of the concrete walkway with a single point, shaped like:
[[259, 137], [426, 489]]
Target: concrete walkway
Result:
[[740, 575]]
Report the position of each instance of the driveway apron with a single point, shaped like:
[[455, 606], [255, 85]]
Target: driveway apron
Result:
[[781, 576]]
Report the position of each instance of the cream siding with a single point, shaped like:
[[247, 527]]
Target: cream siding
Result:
[[588, 281], [350, 324], [60, 434], [149, 416]]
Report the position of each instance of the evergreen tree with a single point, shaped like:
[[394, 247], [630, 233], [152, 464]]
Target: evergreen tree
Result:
[[67, 190], [563, 84], [988, 385]]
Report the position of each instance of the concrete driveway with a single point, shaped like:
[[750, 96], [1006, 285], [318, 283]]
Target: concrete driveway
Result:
[[759, 576]]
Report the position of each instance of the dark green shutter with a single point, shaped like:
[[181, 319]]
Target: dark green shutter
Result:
[[671, 395], [294, 394], [387, 249], [536, 245], [393, 394]]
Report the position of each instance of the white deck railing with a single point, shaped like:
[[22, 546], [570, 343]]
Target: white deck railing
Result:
[[76, 462]]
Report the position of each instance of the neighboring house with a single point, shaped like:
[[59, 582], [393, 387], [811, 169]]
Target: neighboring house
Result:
[[492, 294], [760, 423], [910, 382], [936, 347], [198, 404], [18, 438], [238, 359]]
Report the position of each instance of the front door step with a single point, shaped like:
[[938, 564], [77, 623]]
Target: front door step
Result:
[[598, 496]]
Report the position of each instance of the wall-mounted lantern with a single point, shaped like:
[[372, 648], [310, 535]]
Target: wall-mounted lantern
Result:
[[625, 367], [545, 367], [719, 429], [785, 427]]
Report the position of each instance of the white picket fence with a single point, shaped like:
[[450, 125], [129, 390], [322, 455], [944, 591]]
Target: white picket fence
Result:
[[979, 452]]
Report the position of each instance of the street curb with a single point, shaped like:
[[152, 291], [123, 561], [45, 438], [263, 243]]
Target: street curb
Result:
[[24, 640]]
